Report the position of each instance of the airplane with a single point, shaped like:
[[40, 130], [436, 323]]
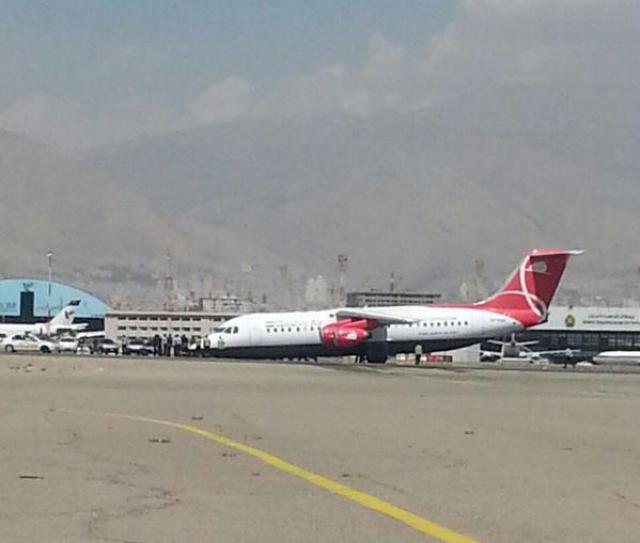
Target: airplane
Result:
[[62, 322], [514, 349], [509, 349], [375, 333], [617, 358]]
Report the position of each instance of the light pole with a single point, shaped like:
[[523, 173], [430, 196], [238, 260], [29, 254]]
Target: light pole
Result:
[[49, 266]]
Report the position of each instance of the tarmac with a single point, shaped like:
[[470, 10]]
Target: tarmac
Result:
[[143, 450]]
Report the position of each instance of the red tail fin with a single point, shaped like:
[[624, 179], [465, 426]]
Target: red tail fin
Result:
[[530, 288]]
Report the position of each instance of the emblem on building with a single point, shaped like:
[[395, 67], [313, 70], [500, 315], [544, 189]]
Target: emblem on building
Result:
[[570, 321]]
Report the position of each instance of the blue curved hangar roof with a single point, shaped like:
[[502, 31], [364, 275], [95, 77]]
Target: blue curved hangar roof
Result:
[[33, 294]]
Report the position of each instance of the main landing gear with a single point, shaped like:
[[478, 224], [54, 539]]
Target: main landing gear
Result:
[[377, 352]]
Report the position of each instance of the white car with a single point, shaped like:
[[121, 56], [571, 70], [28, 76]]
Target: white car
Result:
[[67, 344], [24, 342]]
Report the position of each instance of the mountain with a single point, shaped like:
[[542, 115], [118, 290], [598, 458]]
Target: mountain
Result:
[[51, 202], [423, 194], [487, 175]]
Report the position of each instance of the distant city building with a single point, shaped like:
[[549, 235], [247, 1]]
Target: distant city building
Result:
[[146, 324], [225, 303], [376, 298], [316, 294]]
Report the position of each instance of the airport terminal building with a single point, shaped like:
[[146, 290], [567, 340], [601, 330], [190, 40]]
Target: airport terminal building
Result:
[[147, 324], [28, 300], [590, 330]]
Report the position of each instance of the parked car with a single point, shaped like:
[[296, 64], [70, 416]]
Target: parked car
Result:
[[24, 342], [138, 347], [84, 348], [107, 346], [67, 344]]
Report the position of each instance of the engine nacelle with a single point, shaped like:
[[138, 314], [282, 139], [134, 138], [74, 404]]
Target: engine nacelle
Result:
[[346, 333]]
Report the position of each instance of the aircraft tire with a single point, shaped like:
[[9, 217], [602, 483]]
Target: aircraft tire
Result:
[[377, 353]]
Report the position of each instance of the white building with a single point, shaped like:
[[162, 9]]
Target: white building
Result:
[[146, 324]]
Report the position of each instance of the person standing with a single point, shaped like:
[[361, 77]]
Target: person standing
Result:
[[417, 351]]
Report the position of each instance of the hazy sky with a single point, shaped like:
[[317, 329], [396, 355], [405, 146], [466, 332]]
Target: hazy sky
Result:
[[161, 51], [81, 73]]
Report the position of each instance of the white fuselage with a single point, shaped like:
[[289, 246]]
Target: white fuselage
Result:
[[39, 329], [429, 325], [612, 358]]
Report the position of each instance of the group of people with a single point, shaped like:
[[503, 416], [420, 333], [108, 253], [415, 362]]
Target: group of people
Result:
[[178, 345], [169, 345], [174, 345]]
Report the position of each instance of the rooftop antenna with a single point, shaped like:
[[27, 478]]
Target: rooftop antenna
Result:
[[49, 274], [169, 284], [340, 292]]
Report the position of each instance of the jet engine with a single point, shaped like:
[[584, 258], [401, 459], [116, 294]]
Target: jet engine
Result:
[[346, 333]]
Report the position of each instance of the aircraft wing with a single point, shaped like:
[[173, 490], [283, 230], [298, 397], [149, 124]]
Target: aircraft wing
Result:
[[378, 316], [567, 352], [516, 344], [88, 335]]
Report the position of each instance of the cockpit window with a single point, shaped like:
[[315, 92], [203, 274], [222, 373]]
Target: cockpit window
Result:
[[235, 329]]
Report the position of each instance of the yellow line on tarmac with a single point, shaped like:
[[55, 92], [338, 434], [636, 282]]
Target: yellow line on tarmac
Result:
[[412, 520]]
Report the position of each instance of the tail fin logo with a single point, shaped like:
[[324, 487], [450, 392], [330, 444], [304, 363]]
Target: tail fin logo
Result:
[[535, 303], [538, 267]]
